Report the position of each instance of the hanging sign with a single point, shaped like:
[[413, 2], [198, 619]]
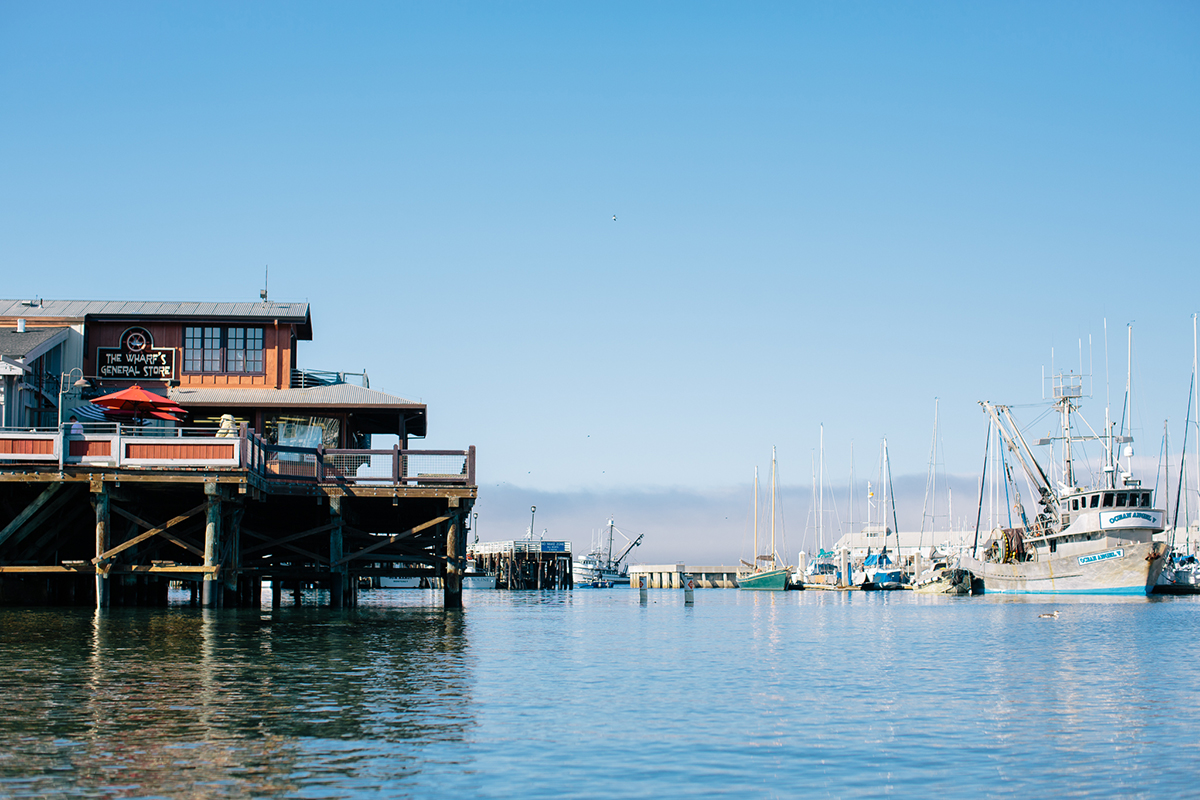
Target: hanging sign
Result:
[[137, 358]]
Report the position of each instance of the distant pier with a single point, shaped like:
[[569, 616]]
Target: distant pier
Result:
[[670, 576]]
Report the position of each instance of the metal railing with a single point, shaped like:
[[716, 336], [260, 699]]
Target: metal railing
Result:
[[127, 446], [395, 467], [307, 378]]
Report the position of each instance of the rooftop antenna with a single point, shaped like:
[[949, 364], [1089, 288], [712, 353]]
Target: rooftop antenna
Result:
[[263, 293]]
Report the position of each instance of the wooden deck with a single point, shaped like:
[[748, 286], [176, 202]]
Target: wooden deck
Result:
[[91, 518]]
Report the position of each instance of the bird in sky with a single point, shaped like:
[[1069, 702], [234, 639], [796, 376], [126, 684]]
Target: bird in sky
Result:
[[614, 217]]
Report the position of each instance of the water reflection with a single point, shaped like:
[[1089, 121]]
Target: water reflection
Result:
[[152, 702]]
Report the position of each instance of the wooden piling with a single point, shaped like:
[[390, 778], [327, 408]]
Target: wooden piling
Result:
[[456, 553], [210, 597], [102, 523], [337, 583]]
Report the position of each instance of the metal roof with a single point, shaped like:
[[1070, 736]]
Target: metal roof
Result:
[[297, 313], [340, 395], [33, 340]]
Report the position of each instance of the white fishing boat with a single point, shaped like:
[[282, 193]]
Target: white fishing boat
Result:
[[472, 579], [1082, 539], [598, 569]]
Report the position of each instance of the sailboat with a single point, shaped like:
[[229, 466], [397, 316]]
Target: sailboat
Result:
[[766, 573], [1082, 539], [943, 575]]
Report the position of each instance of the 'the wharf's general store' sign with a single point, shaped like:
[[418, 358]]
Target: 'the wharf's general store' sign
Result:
[[137, 358]]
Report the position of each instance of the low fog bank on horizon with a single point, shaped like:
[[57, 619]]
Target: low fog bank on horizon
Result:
[[715, 526], [700, 527]]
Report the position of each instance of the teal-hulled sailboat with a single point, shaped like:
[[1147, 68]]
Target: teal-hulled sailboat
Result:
[[765, 573]]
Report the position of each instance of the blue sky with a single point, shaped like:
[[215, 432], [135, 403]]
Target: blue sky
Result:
[[826, 213]]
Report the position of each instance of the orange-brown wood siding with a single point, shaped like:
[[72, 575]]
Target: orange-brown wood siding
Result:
[[101, 448], [179, 451], [277, 355], [27, 447]]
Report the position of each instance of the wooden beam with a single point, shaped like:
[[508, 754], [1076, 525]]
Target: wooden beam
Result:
[[29, 511], [61, 523], [47, 511], [152, 532], [130, 568], [392, 539], [172, 539], [291, 538], [306, 553]]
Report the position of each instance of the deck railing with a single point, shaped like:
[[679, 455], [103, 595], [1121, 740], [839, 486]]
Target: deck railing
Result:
[[133, 447]]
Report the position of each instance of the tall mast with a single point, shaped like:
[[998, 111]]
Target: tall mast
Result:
[[772, 507], [1065, 403], [610, 533], [821, 493], [1195, 416], [852, 486], [755, 506]]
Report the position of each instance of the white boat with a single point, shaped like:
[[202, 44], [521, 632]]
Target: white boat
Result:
[[598, 568], [1082, 539], [472, 579]]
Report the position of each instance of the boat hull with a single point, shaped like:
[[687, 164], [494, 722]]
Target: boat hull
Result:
[[947, 581], [1128, 568], [775, 580]]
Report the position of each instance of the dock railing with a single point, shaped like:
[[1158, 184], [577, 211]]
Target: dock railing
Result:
[[135, 447]]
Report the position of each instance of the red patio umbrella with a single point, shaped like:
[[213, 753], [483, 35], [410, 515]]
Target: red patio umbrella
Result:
[[139, 403]]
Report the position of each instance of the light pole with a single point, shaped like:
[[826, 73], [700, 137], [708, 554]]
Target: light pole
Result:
[[63, 391], [475, 525], [532, 515]]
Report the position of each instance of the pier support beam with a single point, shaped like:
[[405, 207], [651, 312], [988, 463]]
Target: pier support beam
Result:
[[456, 554], [209, 595], [102, 524], [337, 584]]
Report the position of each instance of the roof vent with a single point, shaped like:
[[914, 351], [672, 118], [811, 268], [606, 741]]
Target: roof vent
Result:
[[21, 325]]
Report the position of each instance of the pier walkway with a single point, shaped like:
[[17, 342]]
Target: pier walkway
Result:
[[112, 514]]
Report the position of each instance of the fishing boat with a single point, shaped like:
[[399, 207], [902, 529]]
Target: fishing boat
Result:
[[767, 573], [471, 579], [598, 569], [1081, 539]]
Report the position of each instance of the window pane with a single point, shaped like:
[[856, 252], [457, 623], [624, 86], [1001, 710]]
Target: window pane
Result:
[[1108, 499], [254, 350], [235, 348], [193, 344], [212, 349], [1095, 500]]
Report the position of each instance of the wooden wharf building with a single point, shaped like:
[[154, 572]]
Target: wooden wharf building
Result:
[[270, 476]]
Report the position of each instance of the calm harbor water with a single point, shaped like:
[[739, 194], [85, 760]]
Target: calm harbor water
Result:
[[591, 694]]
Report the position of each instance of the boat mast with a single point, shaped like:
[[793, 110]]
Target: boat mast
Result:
[[927, 507], [852, 486], [1196, 400], [610, 533], [772, 507], [755, 509], [821, 493]]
